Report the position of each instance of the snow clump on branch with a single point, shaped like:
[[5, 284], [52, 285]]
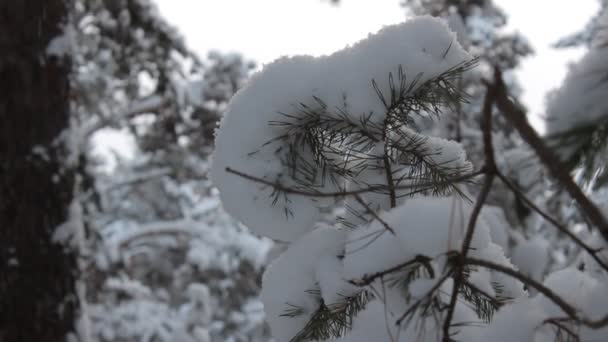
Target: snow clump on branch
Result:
[[309, 135], [423, 48]]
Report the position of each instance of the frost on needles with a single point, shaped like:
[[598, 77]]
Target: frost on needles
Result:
[[326, 155]]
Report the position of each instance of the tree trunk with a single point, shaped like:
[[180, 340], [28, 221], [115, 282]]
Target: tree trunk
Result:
[[37, 276]]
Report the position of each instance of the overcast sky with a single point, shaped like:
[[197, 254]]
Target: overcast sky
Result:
[[266, 29]]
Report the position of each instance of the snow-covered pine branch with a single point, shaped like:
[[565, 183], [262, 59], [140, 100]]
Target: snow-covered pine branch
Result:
[[344, 122], [317, 124], [326, 155]]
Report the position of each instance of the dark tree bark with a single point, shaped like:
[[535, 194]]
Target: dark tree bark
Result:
[[37, 276]]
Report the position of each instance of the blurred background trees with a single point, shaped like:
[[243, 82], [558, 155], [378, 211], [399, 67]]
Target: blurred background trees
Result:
[[163, 262]]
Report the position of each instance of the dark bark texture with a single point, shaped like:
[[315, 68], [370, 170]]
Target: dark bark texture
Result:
[[37, 301]]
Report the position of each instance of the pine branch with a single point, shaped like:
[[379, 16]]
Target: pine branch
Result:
[[337, 144], [569, 310], [563, 333], [408, 267], [330, 321], [320, 144], [427, 97], [483, 303], [412, 153], [592, 252]]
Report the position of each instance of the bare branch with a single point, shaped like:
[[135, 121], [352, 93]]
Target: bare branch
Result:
[[490, 167], [568, 309], [459, 276], [344, 193], [518, 119]]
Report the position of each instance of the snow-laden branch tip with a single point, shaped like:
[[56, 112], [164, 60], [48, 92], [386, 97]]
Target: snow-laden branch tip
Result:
[[348, 81]]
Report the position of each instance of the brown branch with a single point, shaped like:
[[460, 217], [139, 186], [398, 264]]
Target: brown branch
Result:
[[343, 193], [389, 179], [517, 118], [486, 128], [459, 276], [387, 162], [568, 309], [490, 167]]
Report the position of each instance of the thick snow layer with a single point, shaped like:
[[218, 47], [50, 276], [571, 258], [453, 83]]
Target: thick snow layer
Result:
[[422, 46], [582, 98], [515, 322], [290, 282], [427, 226]]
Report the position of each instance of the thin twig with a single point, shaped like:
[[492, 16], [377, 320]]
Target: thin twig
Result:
[[374, 214], [420, 259], [343, 193], [592, 252], [560, 326], [568, 309]]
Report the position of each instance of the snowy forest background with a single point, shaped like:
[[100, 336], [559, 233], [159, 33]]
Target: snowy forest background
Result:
[[99, 247]]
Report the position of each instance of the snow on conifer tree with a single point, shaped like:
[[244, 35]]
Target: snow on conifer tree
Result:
[[384, 240], [311, 137]]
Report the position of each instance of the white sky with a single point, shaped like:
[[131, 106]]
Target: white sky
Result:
[[263, 30]]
